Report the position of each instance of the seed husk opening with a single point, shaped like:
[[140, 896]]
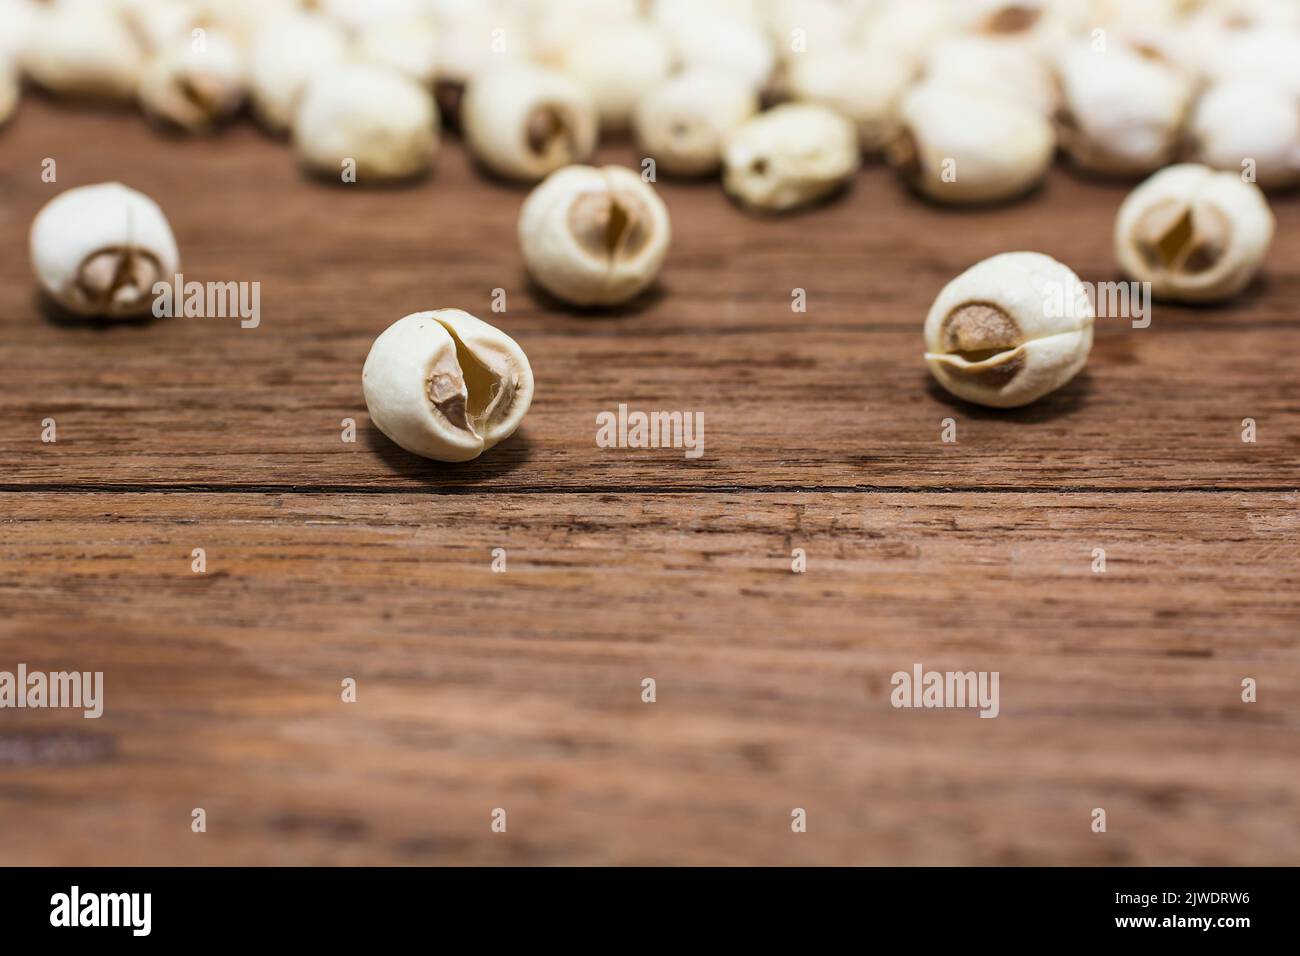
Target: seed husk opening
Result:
[[1171, 237], [117, 279], [470, 390], [609, 226], [982, 342], [549, 132]]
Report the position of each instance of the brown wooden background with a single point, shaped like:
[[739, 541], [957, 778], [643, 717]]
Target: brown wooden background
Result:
[[521, 690]]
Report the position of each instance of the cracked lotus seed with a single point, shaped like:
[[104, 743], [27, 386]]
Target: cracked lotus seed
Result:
[[684, 122], [524, 122], [594, 236], [194, 89], [445, 385], [1009, 330], [790, 156], [1195, 234], [378, 118], [961, 146], [98, 250], [1122, 112]]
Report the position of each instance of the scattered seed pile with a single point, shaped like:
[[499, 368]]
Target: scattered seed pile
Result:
[[969, 100]]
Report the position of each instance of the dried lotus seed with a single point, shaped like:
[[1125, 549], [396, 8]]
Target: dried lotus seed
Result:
[[445, 385], [379, 119], [523, 122], [1195, 234], [684, 122], [790, 156], [594, 236], [98, 250], [1009, 330]]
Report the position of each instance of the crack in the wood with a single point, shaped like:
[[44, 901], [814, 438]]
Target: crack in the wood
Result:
[[285, 489]]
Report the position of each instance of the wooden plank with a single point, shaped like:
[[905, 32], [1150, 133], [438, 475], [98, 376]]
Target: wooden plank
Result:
[[522, 689], [837, 397], [778, 411]]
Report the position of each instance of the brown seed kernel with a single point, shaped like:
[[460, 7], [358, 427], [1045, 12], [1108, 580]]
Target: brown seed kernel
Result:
[[203, 93], [117, 278], [902, 152], [448, 95], [1212, 236], [999, 373], [609, 226], [467, 390], [1013, 18], [446, 390], [549, 130], [1202, 257], [1065, 119], [1163, 231], [490, 388], [978, 330], [1171, 237], [1149, 52]]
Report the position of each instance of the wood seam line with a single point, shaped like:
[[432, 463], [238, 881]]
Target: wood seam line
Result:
[[577, 490]]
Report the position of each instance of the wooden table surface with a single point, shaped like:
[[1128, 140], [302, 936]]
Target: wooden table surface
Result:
[[522, 690]]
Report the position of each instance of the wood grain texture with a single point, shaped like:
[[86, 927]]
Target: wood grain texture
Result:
[[522, 690], [838, 396]]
